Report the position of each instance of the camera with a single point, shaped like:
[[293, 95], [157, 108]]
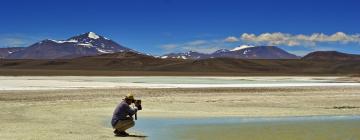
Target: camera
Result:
[[138, 104]]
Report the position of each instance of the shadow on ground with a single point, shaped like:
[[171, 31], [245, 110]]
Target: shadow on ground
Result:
[[135, 136]]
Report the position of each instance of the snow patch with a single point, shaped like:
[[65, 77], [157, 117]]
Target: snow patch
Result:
[[72, 41], [242, 47], [64, 41], [246, 51], [85, 45], [164, 57], [104, 51], [93, 35]]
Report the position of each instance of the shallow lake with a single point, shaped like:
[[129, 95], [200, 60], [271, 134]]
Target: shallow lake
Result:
[[283, 128]]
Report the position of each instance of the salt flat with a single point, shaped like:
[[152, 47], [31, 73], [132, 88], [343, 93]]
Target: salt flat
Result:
[[81, 107], [81, 82]]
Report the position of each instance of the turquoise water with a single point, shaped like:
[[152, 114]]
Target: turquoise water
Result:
[[292, 128]]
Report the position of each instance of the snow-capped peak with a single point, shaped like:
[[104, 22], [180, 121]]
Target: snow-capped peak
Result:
[[93, 35], [242, 47]]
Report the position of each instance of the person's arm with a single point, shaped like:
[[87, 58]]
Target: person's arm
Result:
[[131, 110]]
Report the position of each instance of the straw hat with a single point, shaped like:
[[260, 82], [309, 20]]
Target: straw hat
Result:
[[130, 97]]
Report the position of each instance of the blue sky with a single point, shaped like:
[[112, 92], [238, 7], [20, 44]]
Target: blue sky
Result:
[[162, 26]]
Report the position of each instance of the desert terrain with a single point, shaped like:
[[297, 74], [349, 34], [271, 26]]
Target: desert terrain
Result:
[[85, 113], [133, 64]]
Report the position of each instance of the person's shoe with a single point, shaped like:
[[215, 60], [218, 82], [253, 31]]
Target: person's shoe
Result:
[[120, 133], [124, 133], [117, 132]]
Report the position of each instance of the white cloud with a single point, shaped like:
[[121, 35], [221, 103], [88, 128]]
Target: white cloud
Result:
[[231, 39], [203, 46], [202, 49], [18, 40], [197, 43], [13, 42], [300, 39]]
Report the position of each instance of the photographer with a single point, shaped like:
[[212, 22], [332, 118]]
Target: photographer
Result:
[[122, 117]]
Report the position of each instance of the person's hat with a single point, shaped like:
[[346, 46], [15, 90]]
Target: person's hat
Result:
[[130, 97]]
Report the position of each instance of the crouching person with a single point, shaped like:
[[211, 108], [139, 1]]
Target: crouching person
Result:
[[123, 116]]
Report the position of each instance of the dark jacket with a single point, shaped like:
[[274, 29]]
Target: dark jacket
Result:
[[122, 112]]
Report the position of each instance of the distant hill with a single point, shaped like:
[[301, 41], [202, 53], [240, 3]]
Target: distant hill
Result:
[[5, 52], [331, 55], [259, 52], [87, 44], [186, 55], [132, 62], [242, 52]]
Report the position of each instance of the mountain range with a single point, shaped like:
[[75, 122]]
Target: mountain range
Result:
[[92, 54], [92, 44], [241, 52], [87, 44]]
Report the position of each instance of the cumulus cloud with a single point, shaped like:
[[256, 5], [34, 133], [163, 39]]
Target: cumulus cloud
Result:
[[231, 39], [300, 39], [274, 39]]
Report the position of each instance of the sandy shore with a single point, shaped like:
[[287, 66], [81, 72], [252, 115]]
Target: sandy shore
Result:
[[85, 113]]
